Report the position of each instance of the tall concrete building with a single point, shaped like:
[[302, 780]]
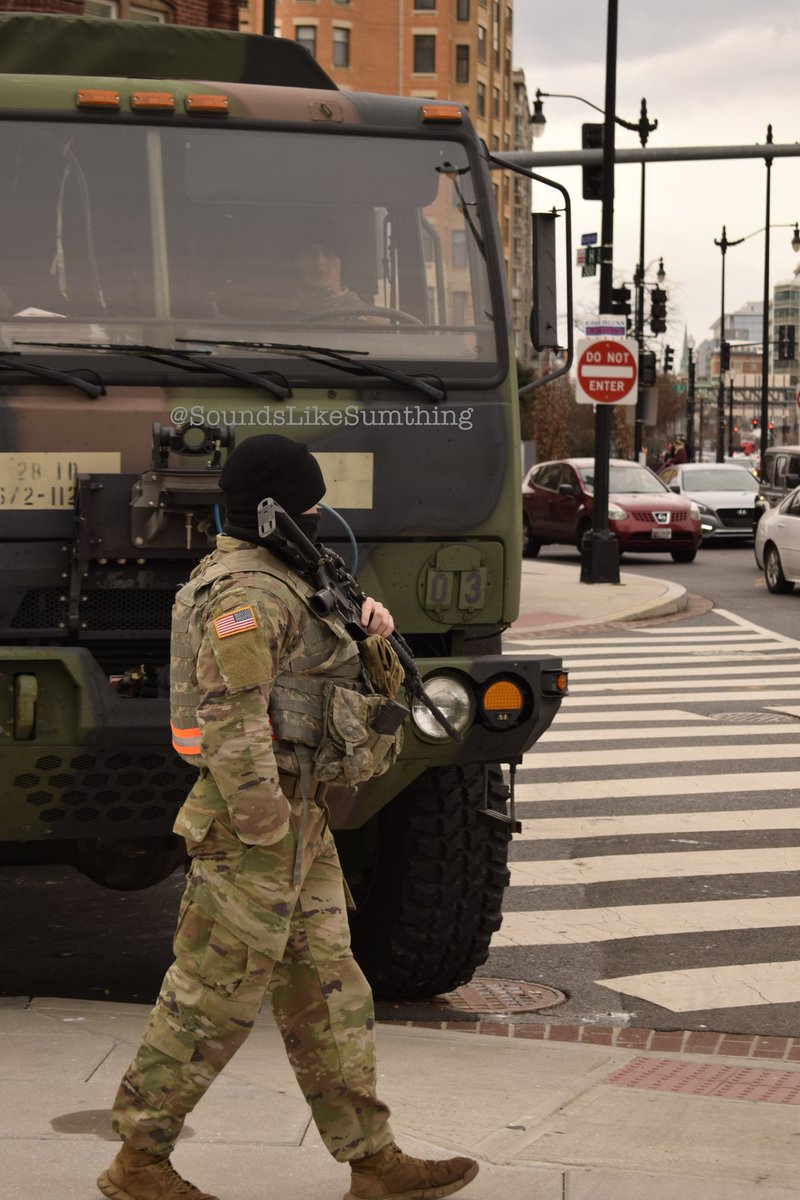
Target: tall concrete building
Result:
[[435, 49]]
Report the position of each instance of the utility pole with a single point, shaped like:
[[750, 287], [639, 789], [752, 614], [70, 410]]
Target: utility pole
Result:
[[600, 550], [645, 128], [269, 18], [690, 408]]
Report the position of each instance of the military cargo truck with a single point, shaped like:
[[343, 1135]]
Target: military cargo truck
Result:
[[153, 311]]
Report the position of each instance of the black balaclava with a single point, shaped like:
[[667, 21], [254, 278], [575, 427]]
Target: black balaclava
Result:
[[269, 465]]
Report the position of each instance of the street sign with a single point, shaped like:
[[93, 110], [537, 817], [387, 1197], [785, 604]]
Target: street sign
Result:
[[607, 371], [588, 239], [606, 325]]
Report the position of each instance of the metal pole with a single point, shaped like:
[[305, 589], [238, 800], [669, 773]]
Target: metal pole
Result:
[[690, 409], [600, 551], [723, 245], [269, 18], [765, 317], [645, 128], [639, 333], [730, 416]]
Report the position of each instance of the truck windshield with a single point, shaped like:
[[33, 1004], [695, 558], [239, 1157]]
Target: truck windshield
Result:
[[120, 233]]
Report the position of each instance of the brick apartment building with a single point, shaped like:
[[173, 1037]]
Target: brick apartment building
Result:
[[214, 14], [435, 49]]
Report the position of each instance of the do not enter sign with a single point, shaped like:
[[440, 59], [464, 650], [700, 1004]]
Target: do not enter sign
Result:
[[607, 371]]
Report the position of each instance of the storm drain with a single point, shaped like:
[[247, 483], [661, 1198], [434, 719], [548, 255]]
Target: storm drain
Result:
[[710, 1079], [497, 996], [754, 718]]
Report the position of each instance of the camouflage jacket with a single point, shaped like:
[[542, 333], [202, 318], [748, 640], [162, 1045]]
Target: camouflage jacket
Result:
[[246, 647]]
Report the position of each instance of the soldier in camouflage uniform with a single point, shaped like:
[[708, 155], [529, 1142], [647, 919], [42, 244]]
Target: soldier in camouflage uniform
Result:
[[264, 906]]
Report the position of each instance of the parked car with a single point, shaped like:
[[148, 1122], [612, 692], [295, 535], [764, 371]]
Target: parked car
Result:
[[643, 514], [749, 461], [725, 493], [777, 544], [780, 473]]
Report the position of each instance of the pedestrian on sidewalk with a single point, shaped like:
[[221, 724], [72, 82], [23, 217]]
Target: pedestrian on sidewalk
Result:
[[264, 909]]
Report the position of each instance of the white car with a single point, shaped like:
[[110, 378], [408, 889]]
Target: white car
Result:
[[777, 544]]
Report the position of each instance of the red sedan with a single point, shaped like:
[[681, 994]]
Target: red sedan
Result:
[[643, 513]]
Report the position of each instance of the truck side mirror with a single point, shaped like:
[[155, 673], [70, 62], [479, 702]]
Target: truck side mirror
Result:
[[544, 313]]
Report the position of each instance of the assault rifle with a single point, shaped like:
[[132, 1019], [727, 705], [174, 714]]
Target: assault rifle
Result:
[[337, 591]]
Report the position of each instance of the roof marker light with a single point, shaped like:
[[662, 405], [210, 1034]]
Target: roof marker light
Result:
[[96, 98], [441, 112], [207, 103], [151, 100]]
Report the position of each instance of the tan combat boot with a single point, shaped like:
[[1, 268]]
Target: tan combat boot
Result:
[[392, 1175], [136, 1175]]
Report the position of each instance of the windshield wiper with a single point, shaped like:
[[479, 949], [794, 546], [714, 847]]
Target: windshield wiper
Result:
[[186, 359], [339, 358], [12, 363]]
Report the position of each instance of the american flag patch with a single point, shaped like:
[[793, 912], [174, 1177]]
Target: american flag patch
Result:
[[235, 622]]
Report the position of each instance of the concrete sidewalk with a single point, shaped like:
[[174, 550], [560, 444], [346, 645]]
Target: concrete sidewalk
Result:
[[547, 1120], [554, 598]]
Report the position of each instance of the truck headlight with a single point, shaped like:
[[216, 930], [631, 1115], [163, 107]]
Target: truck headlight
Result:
[[452, 697]]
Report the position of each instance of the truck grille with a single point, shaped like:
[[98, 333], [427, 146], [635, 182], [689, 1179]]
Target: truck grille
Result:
[[128, 609], [87, 794]]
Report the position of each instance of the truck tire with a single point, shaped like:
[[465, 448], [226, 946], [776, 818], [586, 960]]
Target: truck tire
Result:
[[432, 892], [129, 864]]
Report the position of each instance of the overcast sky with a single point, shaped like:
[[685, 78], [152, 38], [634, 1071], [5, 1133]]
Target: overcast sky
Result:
[[714, 72]]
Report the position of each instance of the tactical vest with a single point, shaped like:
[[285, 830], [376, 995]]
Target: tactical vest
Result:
[[322, 705]]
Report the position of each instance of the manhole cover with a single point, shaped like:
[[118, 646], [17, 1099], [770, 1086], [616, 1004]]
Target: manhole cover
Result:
[[498, 996], [754, 718]]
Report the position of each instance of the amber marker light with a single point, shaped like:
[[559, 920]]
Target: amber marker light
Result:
[[97, 98], [204, 103], [163, 101], [502, 703], [441, 112]]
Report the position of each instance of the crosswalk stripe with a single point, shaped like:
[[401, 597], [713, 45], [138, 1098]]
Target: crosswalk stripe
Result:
[[625, 673], [578, 926], [737, 986], [688, 685], [765, 654], [545, 829], [567, 716], [743, 623], [665, 785], [670, 864], [742, 693], [659, 731], [569, 759]]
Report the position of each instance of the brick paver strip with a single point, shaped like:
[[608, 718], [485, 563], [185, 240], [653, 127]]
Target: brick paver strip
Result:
[[665, 1041], [756, 1084]]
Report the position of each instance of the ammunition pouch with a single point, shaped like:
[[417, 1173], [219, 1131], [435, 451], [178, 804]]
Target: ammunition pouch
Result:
[[361, 735]]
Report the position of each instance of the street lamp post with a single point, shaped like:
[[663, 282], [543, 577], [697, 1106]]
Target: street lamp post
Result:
[[723, 244], [645, 128], [724, 349]]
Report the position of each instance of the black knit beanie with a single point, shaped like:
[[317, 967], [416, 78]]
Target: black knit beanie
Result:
[[268, 465]]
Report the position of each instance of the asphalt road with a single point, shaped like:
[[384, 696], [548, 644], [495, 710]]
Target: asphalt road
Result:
[[67, 936]]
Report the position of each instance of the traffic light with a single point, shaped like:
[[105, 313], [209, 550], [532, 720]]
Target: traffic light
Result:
[[592, 139], [658, 310], [669, 354], [790, 350], [754, 422], [647, 368], [781, 341], [725, 356], [621, 300]]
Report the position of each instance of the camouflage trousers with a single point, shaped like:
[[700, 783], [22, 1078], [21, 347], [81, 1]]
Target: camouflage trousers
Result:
[[245, 930]]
